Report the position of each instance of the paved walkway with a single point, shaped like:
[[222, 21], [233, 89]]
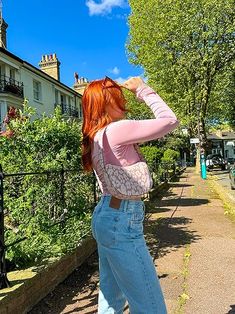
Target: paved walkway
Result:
[[193, 246]]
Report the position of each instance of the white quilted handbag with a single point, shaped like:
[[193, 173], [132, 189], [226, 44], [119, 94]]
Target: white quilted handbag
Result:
[[129, 182]]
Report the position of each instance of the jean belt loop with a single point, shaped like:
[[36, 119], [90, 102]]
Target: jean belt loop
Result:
[[125, 205], [103, 199]]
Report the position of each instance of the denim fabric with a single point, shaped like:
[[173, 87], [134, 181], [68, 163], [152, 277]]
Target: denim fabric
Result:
[[127, 271]]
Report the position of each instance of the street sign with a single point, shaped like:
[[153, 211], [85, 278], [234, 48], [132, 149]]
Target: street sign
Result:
[[194, 140]]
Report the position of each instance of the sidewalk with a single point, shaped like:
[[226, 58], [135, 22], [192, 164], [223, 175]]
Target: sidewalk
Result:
[[193, 246]]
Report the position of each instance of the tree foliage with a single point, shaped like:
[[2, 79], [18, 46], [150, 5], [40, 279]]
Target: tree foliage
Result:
[[185, 48], [136, 109]]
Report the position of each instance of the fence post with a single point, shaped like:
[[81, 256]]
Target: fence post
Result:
[[4, 282]]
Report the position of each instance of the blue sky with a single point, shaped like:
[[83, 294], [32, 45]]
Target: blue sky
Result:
[[88, 36]]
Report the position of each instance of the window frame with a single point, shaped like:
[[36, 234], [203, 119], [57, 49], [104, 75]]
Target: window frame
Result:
[[37, 90]]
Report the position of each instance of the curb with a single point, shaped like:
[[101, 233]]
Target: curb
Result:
[[224, 195]]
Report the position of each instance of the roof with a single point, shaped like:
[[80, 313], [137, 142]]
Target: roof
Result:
[[38, 71], [223, 135]]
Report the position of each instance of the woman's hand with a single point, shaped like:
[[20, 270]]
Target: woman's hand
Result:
[[133, 83]]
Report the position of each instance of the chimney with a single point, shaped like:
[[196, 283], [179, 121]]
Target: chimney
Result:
[[50, 65], [80, 84], [3, 33]]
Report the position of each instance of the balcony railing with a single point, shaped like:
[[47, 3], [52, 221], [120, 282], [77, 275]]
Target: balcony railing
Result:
[[11, 86], [68, 110]]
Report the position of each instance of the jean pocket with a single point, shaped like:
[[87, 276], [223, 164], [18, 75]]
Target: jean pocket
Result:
[[136, 222], [105, 231]]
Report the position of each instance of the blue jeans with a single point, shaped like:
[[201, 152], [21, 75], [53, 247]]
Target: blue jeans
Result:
[[127, 271]]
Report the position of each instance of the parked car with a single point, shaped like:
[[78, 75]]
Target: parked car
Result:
[[232, 176], [216, 161]]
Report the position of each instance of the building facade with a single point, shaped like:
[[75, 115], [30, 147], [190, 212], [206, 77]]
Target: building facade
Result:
[[222, 143], [41, 86]]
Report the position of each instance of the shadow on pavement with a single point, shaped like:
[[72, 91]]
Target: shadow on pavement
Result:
[[183, 202], [167, 234], [179, 185], [65, 296]]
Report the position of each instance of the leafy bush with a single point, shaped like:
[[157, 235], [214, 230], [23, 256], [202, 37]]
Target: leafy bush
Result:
[[152, 155], [36, 204], [170, 156]]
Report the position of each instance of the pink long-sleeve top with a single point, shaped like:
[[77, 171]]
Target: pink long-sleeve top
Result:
[[121, 136]]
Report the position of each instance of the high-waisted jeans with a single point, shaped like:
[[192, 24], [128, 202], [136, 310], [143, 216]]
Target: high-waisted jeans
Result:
[[127, 271]]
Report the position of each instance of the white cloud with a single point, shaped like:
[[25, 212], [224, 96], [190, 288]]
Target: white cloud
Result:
[[104, 7], [115, 71], [121, 79]]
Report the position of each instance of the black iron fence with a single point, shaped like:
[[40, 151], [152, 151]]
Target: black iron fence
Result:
[[10, 85], [69, 110], [62, 194], [57, 195]]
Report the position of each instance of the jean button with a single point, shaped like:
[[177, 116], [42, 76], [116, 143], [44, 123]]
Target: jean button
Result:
[[116, 219]]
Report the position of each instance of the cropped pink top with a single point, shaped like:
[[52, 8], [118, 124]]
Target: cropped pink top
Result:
[[120, 136]]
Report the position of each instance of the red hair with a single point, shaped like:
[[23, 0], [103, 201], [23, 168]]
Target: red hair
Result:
[[95, 100]]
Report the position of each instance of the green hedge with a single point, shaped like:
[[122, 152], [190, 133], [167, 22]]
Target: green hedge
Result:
[[33, 203], [170, 156]]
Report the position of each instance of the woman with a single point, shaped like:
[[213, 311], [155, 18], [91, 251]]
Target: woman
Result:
[[127, 272]]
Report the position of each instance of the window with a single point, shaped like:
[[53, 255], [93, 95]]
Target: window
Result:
[[12, 74], [37, 90], [80, 109], [69, 102], [56, 97], [62, 99], [2, 69]]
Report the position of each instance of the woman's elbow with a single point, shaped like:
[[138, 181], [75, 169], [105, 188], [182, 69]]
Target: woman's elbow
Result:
[[174, 122]]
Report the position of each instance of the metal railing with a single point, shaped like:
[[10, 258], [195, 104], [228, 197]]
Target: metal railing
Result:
[[60, 177], [164, 171], [161, 172], [68, 110], [10, 85]]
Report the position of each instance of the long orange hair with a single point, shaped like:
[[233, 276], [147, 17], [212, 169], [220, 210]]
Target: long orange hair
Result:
[[97, 96]]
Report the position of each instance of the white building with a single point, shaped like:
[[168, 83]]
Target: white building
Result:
[[41, 87], [222, 143]]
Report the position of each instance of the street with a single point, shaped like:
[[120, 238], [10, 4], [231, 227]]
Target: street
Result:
[[222, 178]]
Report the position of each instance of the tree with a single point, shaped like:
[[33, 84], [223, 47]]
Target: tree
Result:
[[136, 109], [185, 46]]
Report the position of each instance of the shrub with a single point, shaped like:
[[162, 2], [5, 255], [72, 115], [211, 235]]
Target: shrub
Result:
[[170, 156], [152, 155], [36, 204]]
